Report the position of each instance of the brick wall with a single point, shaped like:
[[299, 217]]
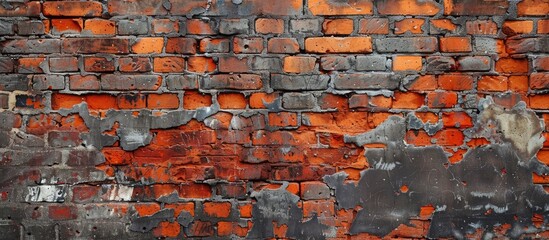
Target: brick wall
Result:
[[298, 119]]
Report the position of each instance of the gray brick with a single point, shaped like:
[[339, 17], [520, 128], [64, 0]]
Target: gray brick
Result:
[[335, 63], [299, 82], [267, 63], [440, 64], [407, 44], [14, 82], [30, 28], [305, 26], [6, 28], [234, 26], [31, 46], [474, 63], [371, 63], [298, 101], [182, 82], [129, 82], [48, 82], [366, 81], [133, 27]]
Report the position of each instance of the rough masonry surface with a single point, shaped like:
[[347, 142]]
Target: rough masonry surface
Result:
[[286, 119]]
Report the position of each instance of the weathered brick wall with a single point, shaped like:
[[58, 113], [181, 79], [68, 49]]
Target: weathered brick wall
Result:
[[299, 119]]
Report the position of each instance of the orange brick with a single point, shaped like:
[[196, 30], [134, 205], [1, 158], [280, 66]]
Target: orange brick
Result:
[[539, 101], [449, 137], [232, 101], [455, 82], [193, 100], [283, 119], [163, 101], [326, 7], [543, 26], [407, 63], [443, 24], [201, 64], [518, 83], [282, 45], [455, 44], [260, 100], [72, 9], [101, 101], [373, 26], [268, 26], [163, 26], [407, 7], [338, 45], [168, 64], [408, 100], [533, 8], [412, 25], [439, 99], [294, 64], [381, 102], [217, 209], [148, 45], [167, 229], [199, 27], [427, 117], [418, 138], [517, 27], [493, 83], [100, 27], [59, 100], [146, 209], [424, 83], [337, 26], [31, 65], [512, 65], [67, 25]]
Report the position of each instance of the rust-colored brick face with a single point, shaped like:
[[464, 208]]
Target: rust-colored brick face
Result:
[[274, 119]]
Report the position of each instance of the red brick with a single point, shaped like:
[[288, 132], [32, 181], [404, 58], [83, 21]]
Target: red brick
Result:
[[72, 9], [337, 26], [283, 119], [67, 25], [260, 100], [24, 9], [282, 45], [543, 26], [517, 27], [199, 27], [424, 83], [457, 119], [518, 83], [512, 65], [100, 27], [89, 82], [408, 100], [168, 64], [269, 26], [233, 64], [539, 81], [148, 45], [134, 64], [407, 63], [194, 100], [165, 26], [132, 101], [408, 7], [412, 25], [31, 65], [62, 212], [98, 64], [248, 45], [101, 101], [181, 45], [373, 26], [167, 229], [533, 8], [214, 45], [481, 27], [201, 64], [493, 83], [338, 45], [455, 44], [64, 64], [439, 99], [455, 82], [163, 101], [95, 45], [231, 101], [294, 64], [322, 208], [217, 209], [326, 7]]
